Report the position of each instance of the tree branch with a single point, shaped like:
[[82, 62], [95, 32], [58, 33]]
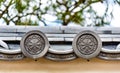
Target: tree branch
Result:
[[3, 12], [59, 2], [88, 4]]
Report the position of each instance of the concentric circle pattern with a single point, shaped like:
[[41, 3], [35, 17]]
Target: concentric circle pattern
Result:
[[34, 44], [87, 44]]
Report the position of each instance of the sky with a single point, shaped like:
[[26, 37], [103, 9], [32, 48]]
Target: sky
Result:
[[116, 20], [116, 13], [99, 7]]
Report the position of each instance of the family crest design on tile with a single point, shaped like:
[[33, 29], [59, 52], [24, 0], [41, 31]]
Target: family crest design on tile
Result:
[[59, 43]]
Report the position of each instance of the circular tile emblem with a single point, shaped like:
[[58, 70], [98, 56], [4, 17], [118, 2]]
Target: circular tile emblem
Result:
[[34, 44], [87, 44]]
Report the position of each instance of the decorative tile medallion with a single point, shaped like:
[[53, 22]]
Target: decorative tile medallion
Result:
[[34, 44], [87, 44]]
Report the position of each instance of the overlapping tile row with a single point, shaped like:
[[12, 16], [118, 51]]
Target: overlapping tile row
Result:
[[60, 33], [60, 42]]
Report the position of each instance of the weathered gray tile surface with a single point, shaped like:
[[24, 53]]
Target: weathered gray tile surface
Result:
[[55, 39], [106, 39], [74, 29], [50, 39], [116, 39], [59, 33], [46, 29], [8, 38], [8, 34], [69, 39], [7, 30], [60, 48]]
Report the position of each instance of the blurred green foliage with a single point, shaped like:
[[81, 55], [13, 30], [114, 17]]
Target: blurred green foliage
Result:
[[20, 12], [74, 11]]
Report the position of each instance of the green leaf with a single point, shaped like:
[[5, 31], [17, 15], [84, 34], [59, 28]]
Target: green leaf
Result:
[[35, 7], [19, 6], [46, 8], [1, 2], [54, 6]]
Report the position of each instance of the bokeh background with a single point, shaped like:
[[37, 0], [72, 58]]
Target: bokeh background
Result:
[[86, 13]]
